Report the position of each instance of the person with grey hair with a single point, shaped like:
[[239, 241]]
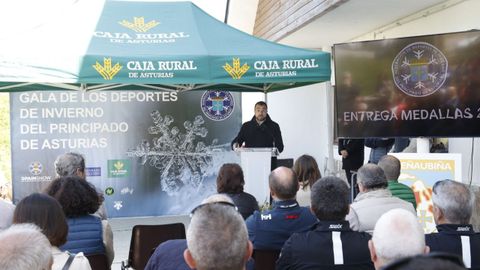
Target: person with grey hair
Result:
[[391, 166], [268, 230], [169, 254], [217, 238], [70, 164], [330, 244], [452, 209], [373, 200], [73, 164], [24, 246], [397, 235]]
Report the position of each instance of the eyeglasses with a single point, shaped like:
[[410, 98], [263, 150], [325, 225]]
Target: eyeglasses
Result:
[[398, 264], [212, 203]]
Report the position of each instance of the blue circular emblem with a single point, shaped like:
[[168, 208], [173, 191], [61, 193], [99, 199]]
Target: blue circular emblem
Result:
[[419, 69], [217, 105], [35, 168]]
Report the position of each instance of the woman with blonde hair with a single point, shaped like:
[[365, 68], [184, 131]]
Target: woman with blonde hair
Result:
[[307, 172]]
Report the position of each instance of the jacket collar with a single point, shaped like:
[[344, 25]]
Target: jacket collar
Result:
[[455, 228], [328, 226], [378, 193], [285, 204]]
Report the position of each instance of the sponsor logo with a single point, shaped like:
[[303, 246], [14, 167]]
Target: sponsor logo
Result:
[[292, 216], [35, 168], [107, 71], [217, 105], [139, 24], [93, 171], [109, 191], [126, 190], [463, 229], [118, 205], [266, 217], [118, 168], [419, 69], [236, 71], [335, 226]]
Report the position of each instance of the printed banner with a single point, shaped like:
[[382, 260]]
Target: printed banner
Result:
[[420, 172], [409, 87], [150, 153]]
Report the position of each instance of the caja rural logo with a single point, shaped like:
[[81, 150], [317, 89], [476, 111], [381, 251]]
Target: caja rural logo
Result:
[[107, 70], [419, 69], [236, 71]]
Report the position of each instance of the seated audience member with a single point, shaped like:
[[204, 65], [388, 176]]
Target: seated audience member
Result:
[[431, 261], [268, 230], [391, 166], [73, 164], [217, 238], [397, 235], [24, 247], [45, 212], [230, 182], [452, 209], [6, 214], [79, 201], [169, 254], [307, 172], [373, 200], [331, 244]]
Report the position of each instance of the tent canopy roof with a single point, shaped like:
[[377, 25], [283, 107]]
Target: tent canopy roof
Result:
[[149, 45]]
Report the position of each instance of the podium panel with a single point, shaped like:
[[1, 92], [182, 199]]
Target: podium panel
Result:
[[255, 163]]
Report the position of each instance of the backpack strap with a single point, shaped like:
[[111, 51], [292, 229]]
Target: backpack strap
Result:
[[71, 256]]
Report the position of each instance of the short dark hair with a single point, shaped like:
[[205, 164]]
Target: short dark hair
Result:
[[283, 184], [372, 177], [230, 179], [260, 103], [431, 261], [306, 169], [76, 196], [45, 212], [329, 199]]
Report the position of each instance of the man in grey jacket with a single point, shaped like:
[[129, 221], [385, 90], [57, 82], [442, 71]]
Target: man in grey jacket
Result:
[[373, 200]]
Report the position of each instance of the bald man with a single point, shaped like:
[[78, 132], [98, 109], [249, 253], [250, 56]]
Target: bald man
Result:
[[271, 228]]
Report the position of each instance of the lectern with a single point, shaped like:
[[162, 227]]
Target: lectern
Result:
[[256, 164]]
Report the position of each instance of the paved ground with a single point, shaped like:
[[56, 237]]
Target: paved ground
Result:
[[122, 231]]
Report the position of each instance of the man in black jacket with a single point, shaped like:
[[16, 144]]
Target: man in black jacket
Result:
[[452, 209], [261, 131], [330, 244]]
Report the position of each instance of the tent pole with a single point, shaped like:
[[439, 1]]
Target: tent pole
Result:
[[265, 96], [226, 12], [330, 137]]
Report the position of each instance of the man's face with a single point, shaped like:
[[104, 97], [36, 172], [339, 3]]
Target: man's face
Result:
[[260, 113]]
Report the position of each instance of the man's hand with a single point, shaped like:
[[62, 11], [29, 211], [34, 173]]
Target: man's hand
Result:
[[344, 153]]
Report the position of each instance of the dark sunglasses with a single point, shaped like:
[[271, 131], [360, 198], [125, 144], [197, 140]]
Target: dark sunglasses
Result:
[[212, 203], [434, 255]]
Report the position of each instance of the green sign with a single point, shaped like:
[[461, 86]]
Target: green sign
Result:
[[118, 168]]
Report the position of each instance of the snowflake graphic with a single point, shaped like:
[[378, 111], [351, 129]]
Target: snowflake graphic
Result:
[[117, 204], [180, 157]]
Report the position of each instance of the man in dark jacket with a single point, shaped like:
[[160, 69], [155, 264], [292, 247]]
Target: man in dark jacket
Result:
[[261, 131], [330, 244], [268, 230], [452, 210], [352, 152]]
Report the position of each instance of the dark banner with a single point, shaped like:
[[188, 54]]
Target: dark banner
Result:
[[150, 153], [408, 87]]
